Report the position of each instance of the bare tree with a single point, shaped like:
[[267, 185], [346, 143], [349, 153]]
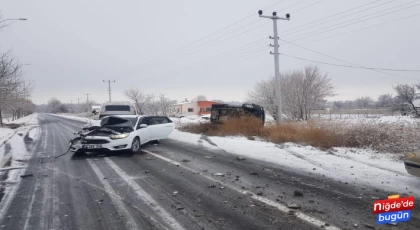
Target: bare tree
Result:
[[264, 95], [200, 98], [301, 93], [11, 83], [139, 98], [152, 106], [384, 101], [55, 106], [165, 104], [2, 24], [407, 94]]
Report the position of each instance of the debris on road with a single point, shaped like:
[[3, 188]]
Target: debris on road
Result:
[[218, 174], [254, 174], [208, 157], [369, 226], [177, 207], [185, 160], [249, 194], [26, 175], [293, 206], [298, 193], [146, 171], [175, 193], [240, 158], [259, 193], [211, 186], [221, 188]]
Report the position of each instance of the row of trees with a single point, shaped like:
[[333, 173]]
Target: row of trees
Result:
[[149, 103], [404, 100], [383, 101], [302, 91], [15, 91], [56, 106]]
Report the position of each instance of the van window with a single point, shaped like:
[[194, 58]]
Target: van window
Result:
[[117, 108]]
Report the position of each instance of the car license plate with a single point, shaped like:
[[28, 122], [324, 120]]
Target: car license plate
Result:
[[91, 146]]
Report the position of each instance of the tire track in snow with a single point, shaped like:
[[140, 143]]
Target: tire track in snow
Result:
[[143, 195]]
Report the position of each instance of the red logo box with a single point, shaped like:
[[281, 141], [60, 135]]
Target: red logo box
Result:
[[393, 205]]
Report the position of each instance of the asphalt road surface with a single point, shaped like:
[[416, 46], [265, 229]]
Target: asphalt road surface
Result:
[[174, 185]]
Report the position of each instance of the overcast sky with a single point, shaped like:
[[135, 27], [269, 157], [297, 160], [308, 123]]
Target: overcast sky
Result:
[[160, 46]]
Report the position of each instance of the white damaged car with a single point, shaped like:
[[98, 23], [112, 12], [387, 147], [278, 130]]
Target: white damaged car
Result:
[[124, 132]]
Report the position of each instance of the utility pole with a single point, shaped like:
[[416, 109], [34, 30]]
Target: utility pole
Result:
[[276, 60], [109, 88], [78, 100], [87, 102]]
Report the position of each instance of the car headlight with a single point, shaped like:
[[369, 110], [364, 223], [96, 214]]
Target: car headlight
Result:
[[120, 136], [411, 155]]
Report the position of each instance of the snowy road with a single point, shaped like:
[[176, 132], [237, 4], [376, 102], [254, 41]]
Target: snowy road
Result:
[[175, 185]]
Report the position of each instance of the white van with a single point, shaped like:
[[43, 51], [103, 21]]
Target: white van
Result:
[[117, 108]]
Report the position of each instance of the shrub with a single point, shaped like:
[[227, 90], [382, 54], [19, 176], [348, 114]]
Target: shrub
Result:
[[386, 137]]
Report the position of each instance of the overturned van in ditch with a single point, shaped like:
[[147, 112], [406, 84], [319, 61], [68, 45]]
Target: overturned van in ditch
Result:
[[221, 113]]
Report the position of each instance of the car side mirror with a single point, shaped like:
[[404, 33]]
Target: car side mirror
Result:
[[142, 126]]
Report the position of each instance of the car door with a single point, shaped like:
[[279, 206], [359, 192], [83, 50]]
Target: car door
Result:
[[161, 127], [143, 133]]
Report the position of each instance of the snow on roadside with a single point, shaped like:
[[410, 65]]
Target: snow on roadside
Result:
[[355, 166], [73, 117], [19, 156], [189, 119], [6, 133]]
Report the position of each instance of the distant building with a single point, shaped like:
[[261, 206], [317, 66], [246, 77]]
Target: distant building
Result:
[[192, 108]]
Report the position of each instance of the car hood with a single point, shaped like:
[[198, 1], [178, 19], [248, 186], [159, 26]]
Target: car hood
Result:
[[109, 126]]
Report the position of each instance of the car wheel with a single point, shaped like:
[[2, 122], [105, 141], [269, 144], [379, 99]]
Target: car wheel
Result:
[[79, 153], [135, 146]]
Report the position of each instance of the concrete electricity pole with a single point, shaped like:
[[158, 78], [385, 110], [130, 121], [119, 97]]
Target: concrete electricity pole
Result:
[[276, 60], [78, 100], [109, 88], [87, 102]]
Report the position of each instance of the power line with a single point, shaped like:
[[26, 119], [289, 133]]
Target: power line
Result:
[[218, 42], [294, 12], [148, 63], [209, 60], [330, 16], [338, 59], [394, 20], [303, 36], [322, 23], [349, 66]]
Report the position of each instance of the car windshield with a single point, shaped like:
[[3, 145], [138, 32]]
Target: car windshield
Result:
[[117, 108]]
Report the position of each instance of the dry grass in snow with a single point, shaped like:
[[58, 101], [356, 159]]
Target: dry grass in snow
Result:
[[373, 134]]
